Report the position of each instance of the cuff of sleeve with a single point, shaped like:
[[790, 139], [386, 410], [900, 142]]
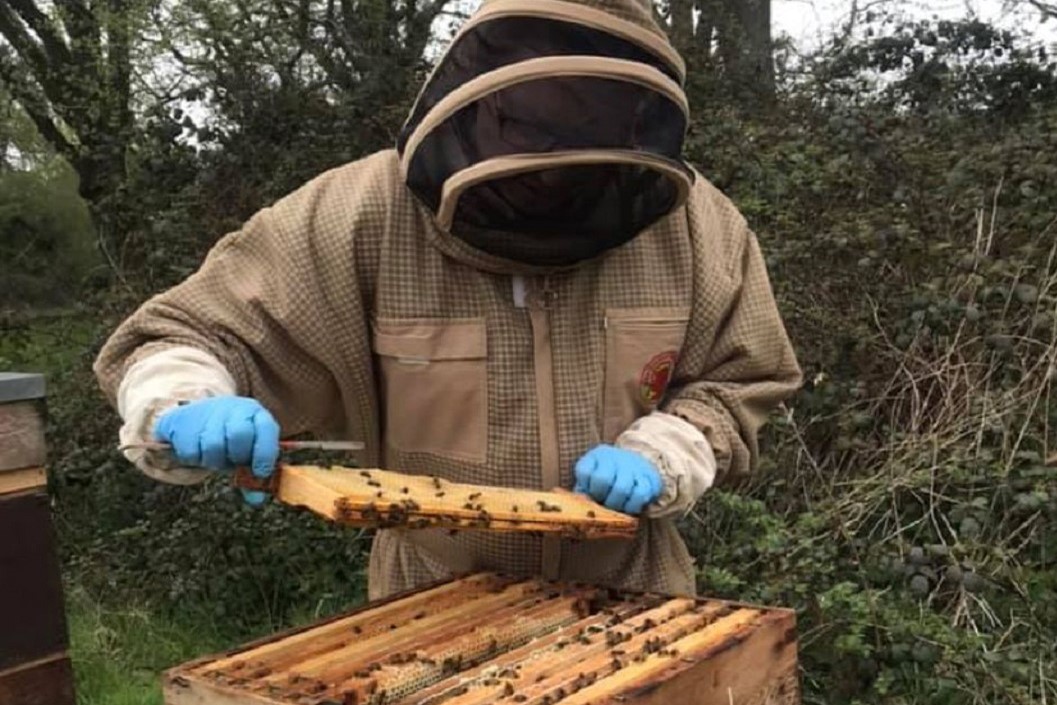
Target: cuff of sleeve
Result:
[[714, 425], [682, 455], [152, 386]]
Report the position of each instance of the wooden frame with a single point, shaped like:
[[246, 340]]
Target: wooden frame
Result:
[[380, 498], [485, 639]]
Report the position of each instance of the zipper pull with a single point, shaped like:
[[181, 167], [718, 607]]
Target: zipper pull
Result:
[[547, 295]]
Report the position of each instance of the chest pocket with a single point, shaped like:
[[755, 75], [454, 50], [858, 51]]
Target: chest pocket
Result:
[[434, 386], [642, 349]]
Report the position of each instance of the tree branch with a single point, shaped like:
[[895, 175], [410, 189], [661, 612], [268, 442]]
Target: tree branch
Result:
[[35, 104], [431, 10], [14, 31], [44, 27], [1049, 9], [681, 24], [83, 28], [420, 24], [76, 9], [119, 67]]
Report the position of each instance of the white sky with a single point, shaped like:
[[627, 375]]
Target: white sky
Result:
[[806, 21], [809, 22]]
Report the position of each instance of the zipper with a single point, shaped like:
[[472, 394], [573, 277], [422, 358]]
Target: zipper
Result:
[[541, 301]]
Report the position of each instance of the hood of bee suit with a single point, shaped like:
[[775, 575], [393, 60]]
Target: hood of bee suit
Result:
[[551, 131]]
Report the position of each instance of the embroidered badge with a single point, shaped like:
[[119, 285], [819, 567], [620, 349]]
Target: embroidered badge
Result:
[[656, 375]]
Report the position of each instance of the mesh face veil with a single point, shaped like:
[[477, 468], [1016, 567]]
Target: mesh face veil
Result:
[[551, 131]]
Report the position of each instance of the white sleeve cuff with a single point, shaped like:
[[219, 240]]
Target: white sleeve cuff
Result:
[[154, 385], [681, 454]]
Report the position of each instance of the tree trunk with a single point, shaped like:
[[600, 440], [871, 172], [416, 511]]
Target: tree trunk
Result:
[[706, 29], [759, 49], [746, 48], [73, 80], [681, 24]]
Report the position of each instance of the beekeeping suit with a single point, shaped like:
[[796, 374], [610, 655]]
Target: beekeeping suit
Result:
[[532, 272]]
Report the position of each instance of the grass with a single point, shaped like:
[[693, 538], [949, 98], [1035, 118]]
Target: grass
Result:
[[119, 653], [52, 345], [119, 649]]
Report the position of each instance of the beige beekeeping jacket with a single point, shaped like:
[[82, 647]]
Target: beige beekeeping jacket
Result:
[[349, 313]]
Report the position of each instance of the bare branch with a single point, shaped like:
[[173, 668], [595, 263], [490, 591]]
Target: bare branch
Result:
[[77, 10], [44, 27], [15, 32], [35, 104], [1049, 9]]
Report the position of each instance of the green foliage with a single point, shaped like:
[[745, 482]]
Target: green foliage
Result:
[[903, 189], [903, 505], [248, 568], [928, 66], [890, 606], [46, 239], [198, 549], [20, 144]]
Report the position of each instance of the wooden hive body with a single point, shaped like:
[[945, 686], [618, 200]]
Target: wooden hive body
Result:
[[35, 667], [488, 639]]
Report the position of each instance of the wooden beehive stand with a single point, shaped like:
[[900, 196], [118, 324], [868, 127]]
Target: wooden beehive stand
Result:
[[489, 639], [34, 666]]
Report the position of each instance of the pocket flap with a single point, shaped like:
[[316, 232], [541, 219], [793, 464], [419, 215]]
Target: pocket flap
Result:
[[648, 316], [433, 339]]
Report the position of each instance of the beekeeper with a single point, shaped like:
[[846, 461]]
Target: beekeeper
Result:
[[532, 290]]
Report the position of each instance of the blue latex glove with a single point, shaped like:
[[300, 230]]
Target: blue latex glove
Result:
[[620, 479], [220, 433]]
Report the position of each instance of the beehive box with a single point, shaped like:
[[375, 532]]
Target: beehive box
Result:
[[34, 663], [489, 639]]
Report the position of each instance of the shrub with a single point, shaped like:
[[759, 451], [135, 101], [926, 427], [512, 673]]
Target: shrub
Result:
[[46, 240], [904, 506]]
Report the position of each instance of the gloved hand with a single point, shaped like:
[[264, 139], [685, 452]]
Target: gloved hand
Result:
[[220, 433], [620, 479]]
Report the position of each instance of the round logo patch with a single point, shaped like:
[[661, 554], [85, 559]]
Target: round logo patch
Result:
[[656, 375]]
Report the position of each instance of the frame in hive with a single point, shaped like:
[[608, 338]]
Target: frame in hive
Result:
[[487, 639]]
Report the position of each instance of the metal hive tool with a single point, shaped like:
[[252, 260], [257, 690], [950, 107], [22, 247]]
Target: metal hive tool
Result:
[[487, 639]]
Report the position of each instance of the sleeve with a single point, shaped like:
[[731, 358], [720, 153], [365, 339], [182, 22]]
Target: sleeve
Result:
[[157, 383], [680, 453], [257, 319], [737, 364]]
